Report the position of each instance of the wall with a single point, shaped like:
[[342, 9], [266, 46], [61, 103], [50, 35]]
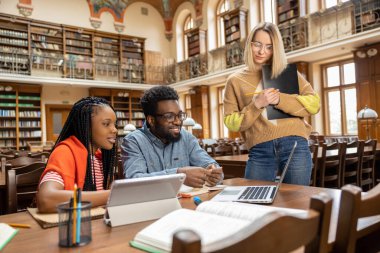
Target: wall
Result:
[[52, 94]]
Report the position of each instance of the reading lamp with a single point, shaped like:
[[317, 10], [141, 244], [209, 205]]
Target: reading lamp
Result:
[[129, 128], [367, 114], [188, 122]]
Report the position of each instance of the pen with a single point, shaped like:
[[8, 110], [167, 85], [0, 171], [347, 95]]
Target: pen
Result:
[[75, 202], [256, 93], [69, 226], [79, 210], [18, 225], [197, 200]]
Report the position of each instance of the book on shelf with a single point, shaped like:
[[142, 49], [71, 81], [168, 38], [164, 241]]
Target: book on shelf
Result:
[[212, 221], [6, 234], [51, 219], [286, 82]]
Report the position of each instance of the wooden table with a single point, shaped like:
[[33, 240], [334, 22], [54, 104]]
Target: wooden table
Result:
[[234, 165], [116, 239]]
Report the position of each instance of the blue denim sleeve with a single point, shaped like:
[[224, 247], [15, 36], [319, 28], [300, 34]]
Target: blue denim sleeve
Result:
[[134, 162], [198, 156]]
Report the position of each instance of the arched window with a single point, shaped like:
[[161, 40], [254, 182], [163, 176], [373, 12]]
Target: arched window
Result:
[[189, 24], [223, 7], [269, 10]]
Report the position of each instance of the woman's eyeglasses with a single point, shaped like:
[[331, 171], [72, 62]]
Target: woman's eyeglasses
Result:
[[259, 46], [170, 117]]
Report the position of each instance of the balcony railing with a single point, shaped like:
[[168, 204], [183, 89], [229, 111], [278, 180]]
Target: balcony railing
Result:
[[315, 29]]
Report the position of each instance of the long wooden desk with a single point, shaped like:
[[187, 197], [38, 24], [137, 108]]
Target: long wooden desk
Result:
[[116, 239], [234, 165]]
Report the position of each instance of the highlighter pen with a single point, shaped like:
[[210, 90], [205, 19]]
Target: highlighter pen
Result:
[[197, 200], [79, 213]]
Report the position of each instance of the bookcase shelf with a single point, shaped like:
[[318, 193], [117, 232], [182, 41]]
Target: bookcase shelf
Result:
[[132, 60], [235, 25], [196, 42], [20, 115], [126, 104], [14, 47]]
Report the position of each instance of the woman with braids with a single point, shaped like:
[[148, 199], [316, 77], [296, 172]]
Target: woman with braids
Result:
[[84, 154]]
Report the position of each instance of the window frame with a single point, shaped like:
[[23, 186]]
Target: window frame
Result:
[[220, 29], [341, 88], [221, 126], [188, 25]]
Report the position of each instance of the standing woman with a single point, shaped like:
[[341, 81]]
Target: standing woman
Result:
[[84, 154], [270, 141]]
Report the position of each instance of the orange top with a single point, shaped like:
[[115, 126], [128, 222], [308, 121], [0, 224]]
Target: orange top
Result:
[[69, 159]]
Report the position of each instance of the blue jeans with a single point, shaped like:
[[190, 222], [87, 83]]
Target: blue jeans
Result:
[[266, 158]]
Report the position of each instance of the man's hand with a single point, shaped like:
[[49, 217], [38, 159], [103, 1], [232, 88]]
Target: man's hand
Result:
[[195, 176], [214, 175]]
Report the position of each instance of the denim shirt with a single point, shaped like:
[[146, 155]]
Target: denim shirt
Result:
[[144, 155]]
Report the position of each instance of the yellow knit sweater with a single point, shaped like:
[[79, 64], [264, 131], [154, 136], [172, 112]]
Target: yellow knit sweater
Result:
[[241, 114]]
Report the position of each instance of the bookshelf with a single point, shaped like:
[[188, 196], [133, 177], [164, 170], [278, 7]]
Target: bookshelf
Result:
[[287, 10], [20, 115], [235, 31], [38, 48], [78, 54], [47, 50], [14, 47], [132, 60], [196, 42], [126, 104], [235, 25], [8, 131], [107, 56]]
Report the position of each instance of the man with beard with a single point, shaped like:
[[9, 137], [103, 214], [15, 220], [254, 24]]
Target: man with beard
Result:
[[162, 147]]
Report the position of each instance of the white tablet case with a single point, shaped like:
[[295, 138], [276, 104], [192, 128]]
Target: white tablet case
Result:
[[141, 199]]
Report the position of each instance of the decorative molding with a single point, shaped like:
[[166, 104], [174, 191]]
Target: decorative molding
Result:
[[95, 22], [169, 35], [119, 27], [25, 9]]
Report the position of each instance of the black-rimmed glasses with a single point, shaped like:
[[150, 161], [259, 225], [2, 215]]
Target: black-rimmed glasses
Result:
[[170, 117]]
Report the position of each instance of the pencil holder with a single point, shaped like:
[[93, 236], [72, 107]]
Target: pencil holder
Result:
[[74, 224]]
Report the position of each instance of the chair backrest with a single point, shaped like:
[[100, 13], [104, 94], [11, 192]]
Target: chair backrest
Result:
[[355, 205], [21, 161], [22, 184], [223, 149], [242, 148], [267, 234], [367, 168], [329, 166], [314, 169], [351, 163]]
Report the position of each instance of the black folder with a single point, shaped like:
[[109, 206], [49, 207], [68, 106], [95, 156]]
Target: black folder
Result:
[[286, 82]]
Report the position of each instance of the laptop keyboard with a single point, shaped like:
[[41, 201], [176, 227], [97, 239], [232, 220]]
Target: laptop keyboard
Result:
[[256, 192]]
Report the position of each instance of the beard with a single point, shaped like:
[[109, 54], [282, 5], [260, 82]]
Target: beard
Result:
[[164, 133]]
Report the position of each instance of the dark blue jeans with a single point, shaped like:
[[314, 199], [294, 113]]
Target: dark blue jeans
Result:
[[266, 158]]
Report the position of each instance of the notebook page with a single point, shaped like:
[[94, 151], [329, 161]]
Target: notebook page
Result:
[[209, 227], [243, 211]]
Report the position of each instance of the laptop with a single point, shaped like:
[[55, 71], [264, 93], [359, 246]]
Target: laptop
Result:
[[140, 199], [262, 194]]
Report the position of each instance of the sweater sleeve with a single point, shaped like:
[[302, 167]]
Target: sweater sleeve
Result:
[[305, 104], [235, 118]]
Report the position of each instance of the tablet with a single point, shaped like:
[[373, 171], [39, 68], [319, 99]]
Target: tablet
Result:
[[138, 190]]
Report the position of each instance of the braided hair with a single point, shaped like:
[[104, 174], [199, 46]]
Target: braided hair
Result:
[[78, 123]]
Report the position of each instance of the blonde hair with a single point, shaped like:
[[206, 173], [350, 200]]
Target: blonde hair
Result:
[[278, 59]]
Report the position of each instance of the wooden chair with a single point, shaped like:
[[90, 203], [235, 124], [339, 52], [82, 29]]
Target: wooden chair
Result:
[[367, 169], [267, 234], [330, 167], [22, 184], [353, 235], [314, 169], [120, 170], [21, 161], [351, 164], [41, 155], [242, 148], [223, 149]]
